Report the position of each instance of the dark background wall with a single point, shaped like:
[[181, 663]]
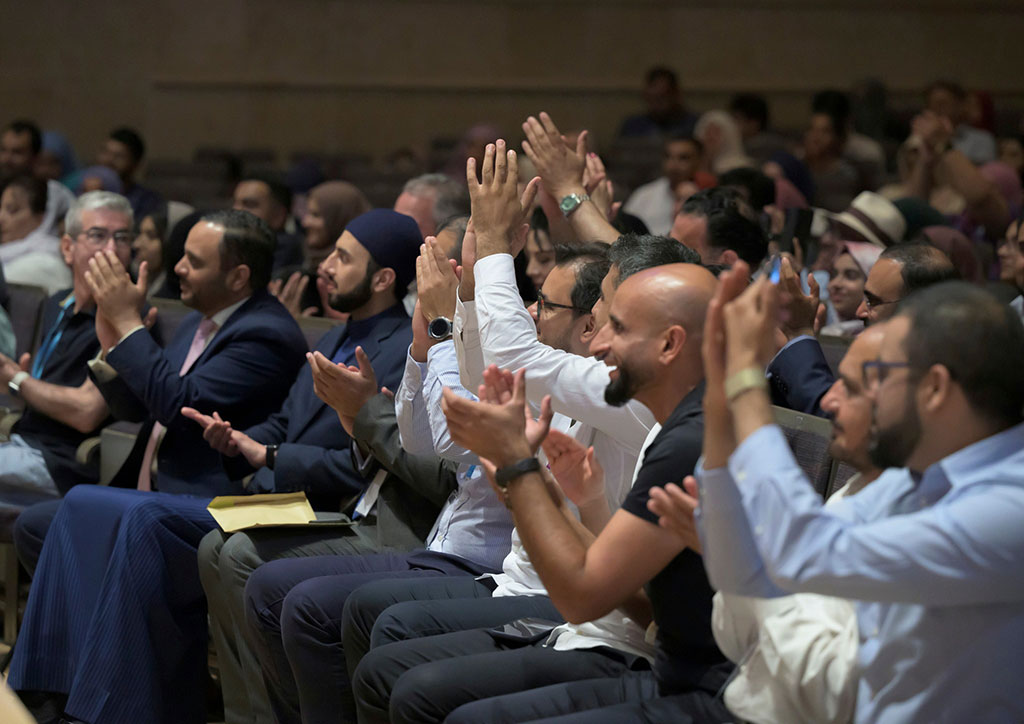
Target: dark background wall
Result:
[[372, 75]]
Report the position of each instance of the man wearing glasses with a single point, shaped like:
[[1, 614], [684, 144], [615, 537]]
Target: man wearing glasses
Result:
[[799, 375], [62, 405]]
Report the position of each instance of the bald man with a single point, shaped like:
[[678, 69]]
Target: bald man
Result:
[[653, 341]]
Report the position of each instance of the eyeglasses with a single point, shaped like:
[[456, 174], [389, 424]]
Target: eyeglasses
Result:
[[542, 303], [875, 371], [872, 301], [98, 236]]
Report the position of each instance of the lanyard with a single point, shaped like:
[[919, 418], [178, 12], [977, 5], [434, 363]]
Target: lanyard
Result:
[[52, 338]]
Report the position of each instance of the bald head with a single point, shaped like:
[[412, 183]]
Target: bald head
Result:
[[653, 334]]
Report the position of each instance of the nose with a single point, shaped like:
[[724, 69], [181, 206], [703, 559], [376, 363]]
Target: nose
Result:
[[830, 402], [599, 344], [862, 310], [532, 309]]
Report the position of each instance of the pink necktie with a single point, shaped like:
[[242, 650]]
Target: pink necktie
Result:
[[203, 333]]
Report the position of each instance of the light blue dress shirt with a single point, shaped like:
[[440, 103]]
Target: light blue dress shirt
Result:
[[474, 522], [935, 563]]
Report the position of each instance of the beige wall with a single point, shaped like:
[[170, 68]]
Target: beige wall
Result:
[[370, 75]]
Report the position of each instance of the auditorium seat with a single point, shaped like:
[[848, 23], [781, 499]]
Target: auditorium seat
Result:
[[834, 349], [25, 308], [808, 437]]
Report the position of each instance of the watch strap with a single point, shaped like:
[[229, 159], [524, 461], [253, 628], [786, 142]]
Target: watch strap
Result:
[[271, 456], [505, 475], [746, 379]]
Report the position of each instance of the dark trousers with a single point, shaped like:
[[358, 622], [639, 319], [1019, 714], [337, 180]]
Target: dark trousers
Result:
[[632, 697], [30, 531], [425, 679], [293, 617]]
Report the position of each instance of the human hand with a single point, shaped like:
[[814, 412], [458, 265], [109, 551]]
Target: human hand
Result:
[[750, 321], [574, 467], [560, 168], [8, 368], [498, 211], [599, 186], [799, 310], [290, 294], [117, 297], [216, 431], [467, 282], [344, 388], [499, 388], [421, 341], [675, 508], [495, 431], [436, 281], [936, 131]]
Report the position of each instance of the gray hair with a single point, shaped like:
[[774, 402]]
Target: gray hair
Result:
[[92, 201], [450, 197]]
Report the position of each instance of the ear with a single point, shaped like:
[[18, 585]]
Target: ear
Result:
[[673, 340], [238, 278], [589, 329], [728, 258], [383, 279], [935, 388], [65, 248]]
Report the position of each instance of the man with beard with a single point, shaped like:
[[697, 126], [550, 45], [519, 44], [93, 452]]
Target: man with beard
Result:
[[304, 447], [932, 551], [652, 343]]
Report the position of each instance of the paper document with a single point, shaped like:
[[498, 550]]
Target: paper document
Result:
[[238, 512]]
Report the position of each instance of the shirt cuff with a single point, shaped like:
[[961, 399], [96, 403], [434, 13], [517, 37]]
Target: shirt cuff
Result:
[[101, 369], [495, 268], [445, 350]]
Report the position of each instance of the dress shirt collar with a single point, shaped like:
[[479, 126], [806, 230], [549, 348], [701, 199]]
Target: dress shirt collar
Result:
[[223, 315], [974, 461]]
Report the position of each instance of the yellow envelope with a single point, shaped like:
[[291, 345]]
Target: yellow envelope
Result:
[[238, 512]]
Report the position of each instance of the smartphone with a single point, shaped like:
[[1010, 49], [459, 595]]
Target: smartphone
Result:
[[796, 226], [775, 270]]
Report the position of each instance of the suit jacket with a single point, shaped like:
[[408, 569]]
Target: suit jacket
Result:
[[238, 375], [314, 454], [799, 377], [417, 486]]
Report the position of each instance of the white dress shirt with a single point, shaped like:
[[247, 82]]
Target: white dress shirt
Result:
[[654, 204]]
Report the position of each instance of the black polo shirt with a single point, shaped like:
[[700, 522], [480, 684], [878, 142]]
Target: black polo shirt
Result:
[[687, 657], [66, 366]]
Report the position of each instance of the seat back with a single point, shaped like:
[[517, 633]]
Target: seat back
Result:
[[26, 306], [841, 472], [169, 313], [808, 437], [834, 349]]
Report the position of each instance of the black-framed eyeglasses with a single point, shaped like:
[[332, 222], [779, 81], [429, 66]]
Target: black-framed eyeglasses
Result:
[[543, 303], [872, 301], [875, 371], [98, 236]]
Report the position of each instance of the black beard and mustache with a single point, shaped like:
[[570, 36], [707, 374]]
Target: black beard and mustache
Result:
[[891, 447], [354, 299], [623, 388]]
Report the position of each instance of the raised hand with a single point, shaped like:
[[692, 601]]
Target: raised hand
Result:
[[436, 281], [499, 388], [560, 168], [799, 311], [750, 321], [675, 508], [117, 297], [574, 467], [498, 211], [492, 430], [344, 388], [290, 293]]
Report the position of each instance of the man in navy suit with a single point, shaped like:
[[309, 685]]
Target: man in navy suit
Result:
[[109, 626], [304, 447]]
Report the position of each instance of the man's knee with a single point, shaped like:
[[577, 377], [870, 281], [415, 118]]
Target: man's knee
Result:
[[405, 620], [209, 557], [414, 696], [237, 561], [30, 531]]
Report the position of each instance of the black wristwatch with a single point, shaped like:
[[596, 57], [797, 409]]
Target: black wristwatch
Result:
[[504, 476], [271, 455], [439, 328]]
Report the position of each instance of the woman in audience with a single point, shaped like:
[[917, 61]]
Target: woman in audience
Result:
[[723, 144], [846, 289], [1011, 262], [150, 246], [98, 178], [57, 158], [836, 181], [28, 252], [539, 249]]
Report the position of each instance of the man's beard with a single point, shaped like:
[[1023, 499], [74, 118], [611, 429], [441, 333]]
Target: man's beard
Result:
[[623, 387], [891, 447], [353, 299]]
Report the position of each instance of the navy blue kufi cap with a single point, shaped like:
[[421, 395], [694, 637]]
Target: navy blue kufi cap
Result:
[[393, 240]]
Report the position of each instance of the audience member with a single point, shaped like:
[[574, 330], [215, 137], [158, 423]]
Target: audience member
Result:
[[430, 199], [666, 115], [539, 249], [846, 288], [62, 405], [836, 180], [1011, 152], [56, 159], [948, 100], [952, 441], [655, 203], [755, 187], [29, 252], [1011, 262], [20, 144], [103, 550], [151, 246], [271, 200], [718, 224], [723, 145], [750, 111], [123, 151], [863, 152]]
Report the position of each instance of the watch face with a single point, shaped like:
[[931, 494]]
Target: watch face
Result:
[[569, 203], [439, 328]]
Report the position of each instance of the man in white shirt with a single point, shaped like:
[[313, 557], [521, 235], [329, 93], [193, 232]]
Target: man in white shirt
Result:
[[656, 202]]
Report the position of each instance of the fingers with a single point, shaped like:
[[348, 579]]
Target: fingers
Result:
[[549, 127], [546, 413], [487, 173], [530, 193], [471, 178], [387, 393], [273, 286], [365, 368], [812, 283], [581, 145], [196, 416], [25, 362], [501, 161], [690, 484], [143, 280], [150, 319]]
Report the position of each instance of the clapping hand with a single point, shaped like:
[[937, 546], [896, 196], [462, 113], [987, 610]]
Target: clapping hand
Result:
[[561, 169], [344, 388], [574, 467], [219, 434], [675, 508], [118, 299], [498, 211], [290, 293]]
